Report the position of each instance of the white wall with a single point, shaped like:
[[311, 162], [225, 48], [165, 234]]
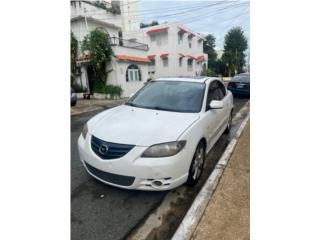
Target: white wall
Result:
[[173, 48], [85, 9], [80, 30], [118, 77], [130, 15]]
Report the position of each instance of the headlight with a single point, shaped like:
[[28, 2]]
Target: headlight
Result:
[[84, 131], [164, 149]]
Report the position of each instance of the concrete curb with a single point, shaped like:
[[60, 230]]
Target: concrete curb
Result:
[[86, 111], [195, 212]]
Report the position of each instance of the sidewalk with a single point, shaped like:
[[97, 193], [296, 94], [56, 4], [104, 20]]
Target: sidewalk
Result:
[[227, 215], [84, 105]]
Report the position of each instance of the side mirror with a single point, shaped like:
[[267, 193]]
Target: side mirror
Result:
[[131, 95], [214, 104]]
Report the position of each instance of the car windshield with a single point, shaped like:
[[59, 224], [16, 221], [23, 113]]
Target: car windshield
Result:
[[241, 78], [176, 96]]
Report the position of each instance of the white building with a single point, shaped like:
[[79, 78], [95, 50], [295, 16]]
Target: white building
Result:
[[174, 50], [129, 67], [140, 54]]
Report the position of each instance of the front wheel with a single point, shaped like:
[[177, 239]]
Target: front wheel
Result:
[[196, 166], [229, 124]]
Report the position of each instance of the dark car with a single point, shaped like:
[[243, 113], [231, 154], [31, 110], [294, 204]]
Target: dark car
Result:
[[73, 97], [240, 85]]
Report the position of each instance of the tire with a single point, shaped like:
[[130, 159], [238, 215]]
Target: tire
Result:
[[229, 124], [196, 166]]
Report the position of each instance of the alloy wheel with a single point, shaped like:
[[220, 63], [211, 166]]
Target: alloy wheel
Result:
[[198, 163]]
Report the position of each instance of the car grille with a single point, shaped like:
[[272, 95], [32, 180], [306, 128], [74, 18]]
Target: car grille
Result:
[[110, 177], [108, 150]]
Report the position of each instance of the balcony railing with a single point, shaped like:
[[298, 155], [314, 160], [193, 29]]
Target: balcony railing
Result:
[[115, 41]]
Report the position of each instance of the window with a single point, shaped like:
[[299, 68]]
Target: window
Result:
[[165, 62], [190, 42], [133, 73], [180, 38], [190, 64], [180, 62], [216, 91], [160, 39], [152, 62], [176, 96], [120, 38], [152, 38]]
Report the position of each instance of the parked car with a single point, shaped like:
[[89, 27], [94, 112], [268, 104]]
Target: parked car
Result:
[[159, 138], [73, 97], [240, 85]]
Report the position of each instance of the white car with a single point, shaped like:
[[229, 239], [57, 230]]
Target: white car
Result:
[[159, 138]]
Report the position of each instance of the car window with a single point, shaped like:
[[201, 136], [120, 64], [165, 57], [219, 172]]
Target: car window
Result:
[[216, 91], [222, 89], [241, 78], [176, 96]]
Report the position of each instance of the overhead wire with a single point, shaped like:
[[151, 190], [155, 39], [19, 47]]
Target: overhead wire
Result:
[[189, 9]]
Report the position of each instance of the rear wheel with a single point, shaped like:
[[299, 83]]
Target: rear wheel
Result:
[[196, 167]]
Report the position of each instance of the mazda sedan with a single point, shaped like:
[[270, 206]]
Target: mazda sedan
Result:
[[159, 139]]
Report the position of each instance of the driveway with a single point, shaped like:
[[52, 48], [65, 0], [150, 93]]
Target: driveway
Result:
[[99, 211]]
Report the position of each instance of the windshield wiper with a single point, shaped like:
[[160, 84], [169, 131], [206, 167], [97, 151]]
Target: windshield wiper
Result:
[[163, 109], [130, 104]]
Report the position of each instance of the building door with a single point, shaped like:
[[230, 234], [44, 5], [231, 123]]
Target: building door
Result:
[[90, 75]]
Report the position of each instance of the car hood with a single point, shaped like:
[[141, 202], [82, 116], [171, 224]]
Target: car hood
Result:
[[139, 126]]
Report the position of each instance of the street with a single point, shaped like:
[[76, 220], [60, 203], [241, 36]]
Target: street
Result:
[[99, 211]]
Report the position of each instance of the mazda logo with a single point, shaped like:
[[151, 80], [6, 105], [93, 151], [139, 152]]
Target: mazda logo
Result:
[[103, 149]]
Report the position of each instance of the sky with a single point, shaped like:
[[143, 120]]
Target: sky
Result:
[[211, 16]]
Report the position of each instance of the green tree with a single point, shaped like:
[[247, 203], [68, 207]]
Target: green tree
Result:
[[98, 45], [153, 23], [73, 55], [220, 67], [235, 44], [208, 47]]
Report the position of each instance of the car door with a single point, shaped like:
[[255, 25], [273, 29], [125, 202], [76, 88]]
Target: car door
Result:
[[212, 117], [222, 96]]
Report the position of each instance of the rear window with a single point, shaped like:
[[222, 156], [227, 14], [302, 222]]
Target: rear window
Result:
[[241, 79]]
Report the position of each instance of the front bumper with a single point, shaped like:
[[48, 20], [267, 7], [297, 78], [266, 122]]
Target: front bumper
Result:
[[133, 172]]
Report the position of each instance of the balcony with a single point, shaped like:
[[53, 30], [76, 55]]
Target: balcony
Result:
[[115, 41]]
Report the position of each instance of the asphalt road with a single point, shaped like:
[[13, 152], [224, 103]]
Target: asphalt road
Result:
[[99, 211]]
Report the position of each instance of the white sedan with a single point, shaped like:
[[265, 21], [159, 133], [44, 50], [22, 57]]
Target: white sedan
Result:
[[159, 138]]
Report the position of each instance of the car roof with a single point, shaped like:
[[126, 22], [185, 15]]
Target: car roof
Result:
[[200, 79]]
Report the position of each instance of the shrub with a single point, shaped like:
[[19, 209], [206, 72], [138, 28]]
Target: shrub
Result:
[[113, 90], [77, 87], [73, 55]]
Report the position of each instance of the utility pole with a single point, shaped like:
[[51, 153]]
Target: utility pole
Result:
[[85, 18], [87, 80], [236, 68]]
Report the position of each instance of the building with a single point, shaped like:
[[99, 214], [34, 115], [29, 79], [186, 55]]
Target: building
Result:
[[129, 67], [140, 54], [174, 50]]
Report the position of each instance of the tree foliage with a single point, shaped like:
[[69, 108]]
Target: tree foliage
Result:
[[235, 44], [73, 55], [98, 45], [208, 47], [153, 23]]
